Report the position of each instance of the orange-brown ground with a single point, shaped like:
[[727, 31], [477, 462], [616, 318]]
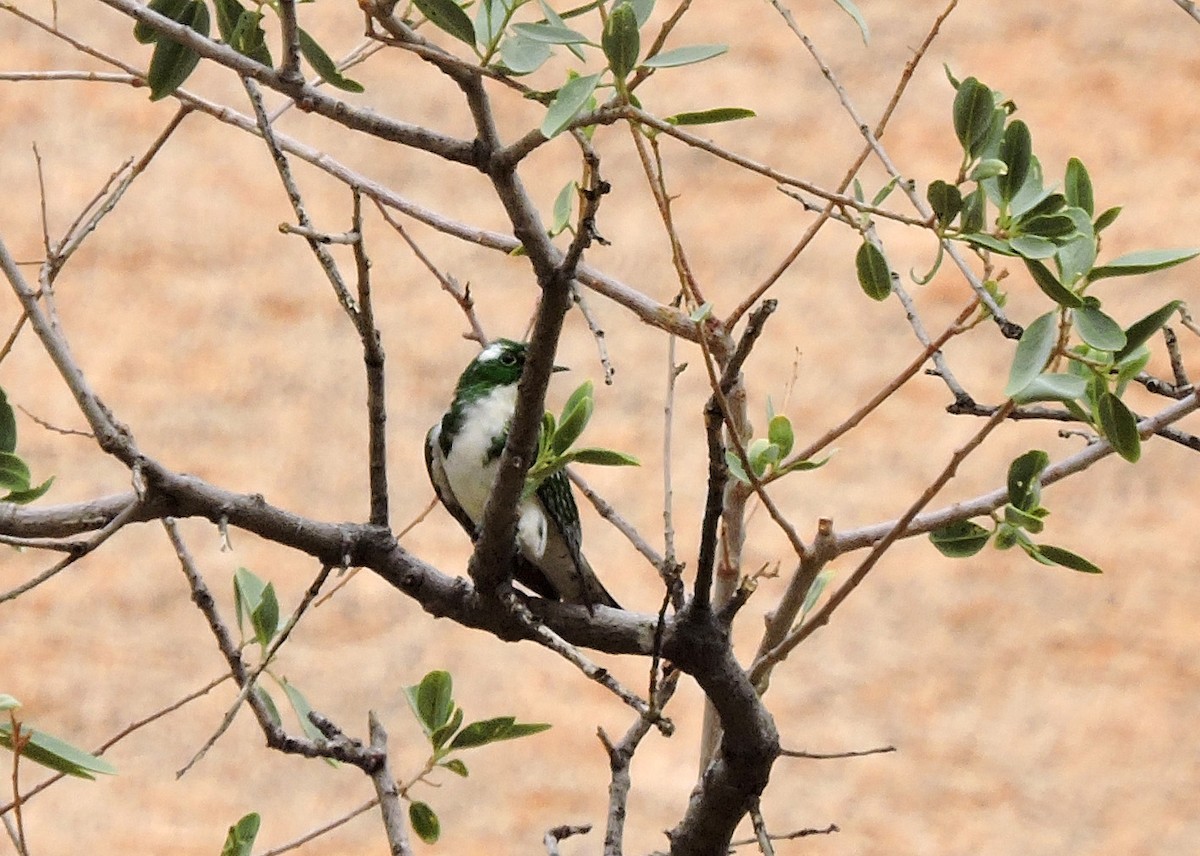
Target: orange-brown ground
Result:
[[1035, 710]]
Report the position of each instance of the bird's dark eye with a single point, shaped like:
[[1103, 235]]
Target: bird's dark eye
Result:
[[508, 359]]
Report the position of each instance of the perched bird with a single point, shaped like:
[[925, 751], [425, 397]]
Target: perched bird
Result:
[[462, 453]]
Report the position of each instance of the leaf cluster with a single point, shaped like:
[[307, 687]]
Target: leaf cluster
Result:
[[558, 436], [433, 705], [1023, 517], [768, 455], [15, 477], [257, 608], [172, 63]]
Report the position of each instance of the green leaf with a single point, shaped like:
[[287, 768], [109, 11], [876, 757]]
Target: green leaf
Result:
[[1067, 559], [1098, 329], [734, 463], [562, 208], [1078, 187], [24, 497], [571, 98], [1059, 226], [8, 425], [1050, 285], [324, 65], [1050, 386], [438, 739], [711, 117], [490, 18], [850, 9], [974, 213], [573, 423], [988, 168], [762, 454], [641, 8], [240, 840], [601, 457], [247, 595], [960, 540], [701, 312], [1130, 365], [1145, 261], [585, 392], [1139, 332], [550, 34], [1024, 484], [521, 55], [448, 16], [14, 473], [1033, 246], [620, 40], [805, 465], [456, 766], [249, 39], [265, 617], [424, 822], [173, 9], [780, 433], [1033, 352], [1076, 256], [260, 692], [7, 702], [494, 730], [819, 583], [1107, 217], [56, 754], [229, 12], [1030, 521], [432, 700], [687, 55], [873, 274], [1119, 426], [973, 106], [946, 201], [1016, 150], [302, 709], [172, 63]]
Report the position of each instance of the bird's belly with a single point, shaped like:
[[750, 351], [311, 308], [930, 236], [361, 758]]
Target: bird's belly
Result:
[[471, 484]]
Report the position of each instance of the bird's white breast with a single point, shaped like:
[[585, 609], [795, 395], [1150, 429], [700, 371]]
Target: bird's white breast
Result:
[[467, 469]]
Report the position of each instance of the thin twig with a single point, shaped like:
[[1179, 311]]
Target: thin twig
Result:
[[125, 516], [311, 835], [395, 824]]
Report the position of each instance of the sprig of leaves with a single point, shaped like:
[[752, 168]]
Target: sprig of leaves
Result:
[[1023, 517], [172, 63], [47, 750], [558, 436], [15, 477], [768, 455], [433, 705]]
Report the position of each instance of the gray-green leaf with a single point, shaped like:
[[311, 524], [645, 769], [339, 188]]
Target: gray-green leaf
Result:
[[1119, 426], [240, 840], [424, 822], [688, 55], [1144, 261], [960, 540], [1033, 352], [571, 98]]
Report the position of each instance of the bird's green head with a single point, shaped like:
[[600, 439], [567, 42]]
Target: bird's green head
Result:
[[498, 364]]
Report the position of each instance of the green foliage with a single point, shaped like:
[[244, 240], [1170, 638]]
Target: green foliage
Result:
[[433, 705], [767, 455], [874, 276], [47, 750], [171, 63], [240, 839], [15, 477], [1023, 516], [558, 436]]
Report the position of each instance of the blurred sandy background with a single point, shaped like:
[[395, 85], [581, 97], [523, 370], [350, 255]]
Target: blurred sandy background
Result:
[[1035, 710]]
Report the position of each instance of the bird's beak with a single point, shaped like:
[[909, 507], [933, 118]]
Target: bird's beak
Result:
[[560, 369]]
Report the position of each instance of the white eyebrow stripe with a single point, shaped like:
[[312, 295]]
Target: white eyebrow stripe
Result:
[[490, 353]]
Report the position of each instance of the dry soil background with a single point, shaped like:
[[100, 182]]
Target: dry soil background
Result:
[[1034, 710]]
